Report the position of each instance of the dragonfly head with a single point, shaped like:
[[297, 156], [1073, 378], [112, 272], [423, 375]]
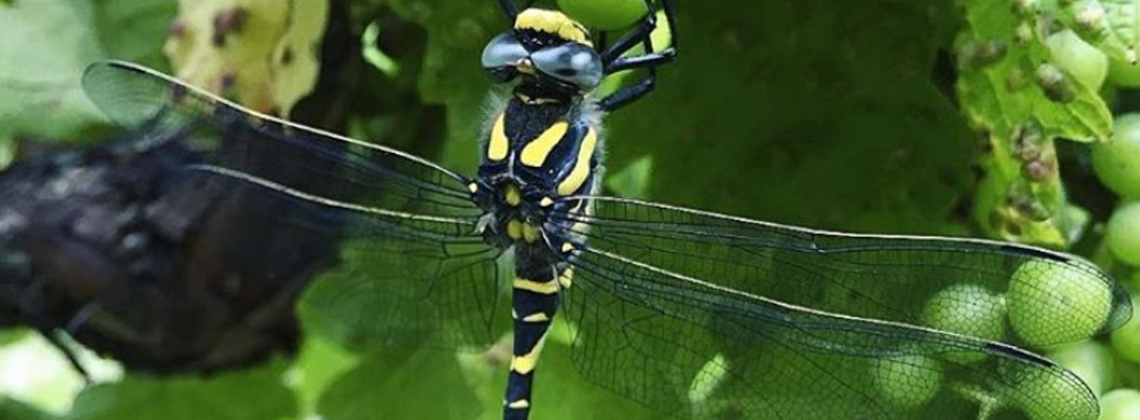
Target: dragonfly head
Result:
[[551, 54]]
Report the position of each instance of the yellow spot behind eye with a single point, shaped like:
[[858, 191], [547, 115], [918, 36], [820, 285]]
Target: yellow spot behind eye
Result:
[[547, 288], [581, 169], [546, 202], [525, 364], [535, 152], [499, 144], [554, 23]]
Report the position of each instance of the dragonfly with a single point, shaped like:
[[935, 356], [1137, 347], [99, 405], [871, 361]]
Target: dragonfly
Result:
[[694, 314]]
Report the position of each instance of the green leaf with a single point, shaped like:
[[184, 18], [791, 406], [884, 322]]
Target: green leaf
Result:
[[401, 384], [450, 74], [39, 73], [560, 392], [253, 394], [259, 53], [633, 180], [317, 367], [999, 86], [1021, 101], [134, 31], [15, 410]]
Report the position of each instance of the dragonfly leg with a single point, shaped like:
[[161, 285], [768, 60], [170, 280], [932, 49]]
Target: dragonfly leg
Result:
[[509, 9], [615, 61], [534, 304], [642, 35]]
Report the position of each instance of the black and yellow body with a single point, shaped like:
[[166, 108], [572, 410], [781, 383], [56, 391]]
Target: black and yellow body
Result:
[[542, 145]]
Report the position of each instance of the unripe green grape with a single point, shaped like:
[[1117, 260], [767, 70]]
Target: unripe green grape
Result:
[[1117, 162], [908, 381], [966, 309], [1120, 404], [1126, 339], [1083, 61], [1123, 233], [1123, 73], [606, 15], [1091, 361], [1051, 303]]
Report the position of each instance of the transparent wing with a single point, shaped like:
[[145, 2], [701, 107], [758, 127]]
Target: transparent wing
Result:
[[697, 350], [413, 267], [890, 278]]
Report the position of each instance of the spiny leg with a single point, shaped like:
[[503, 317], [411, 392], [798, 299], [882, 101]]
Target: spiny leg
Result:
[[641, 34], [615, 62], [628, 95]]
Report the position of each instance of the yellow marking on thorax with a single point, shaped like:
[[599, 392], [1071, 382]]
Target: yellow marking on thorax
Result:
[[581, 169], [535, 152], [512, 194], [530, 233], [515, 230], [555, 23], [525, 364], [542, 288], [499, 145]]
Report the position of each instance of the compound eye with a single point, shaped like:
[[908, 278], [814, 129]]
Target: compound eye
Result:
[[501, 56], [573, 63]]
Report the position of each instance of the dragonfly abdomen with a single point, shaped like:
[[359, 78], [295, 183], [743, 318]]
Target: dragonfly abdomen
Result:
[[535, 300]]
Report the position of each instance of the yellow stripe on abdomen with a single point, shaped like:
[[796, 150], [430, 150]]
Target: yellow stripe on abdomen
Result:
[[526, 363], [543, 288]]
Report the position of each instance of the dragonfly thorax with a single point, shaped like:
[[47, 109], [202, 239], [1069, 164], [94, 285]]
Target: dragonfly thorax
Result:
[[550, 148], [536, 154]]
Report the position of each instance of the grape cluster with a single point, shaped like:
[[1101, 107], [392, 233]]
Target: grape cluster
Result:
[[1109, 369]]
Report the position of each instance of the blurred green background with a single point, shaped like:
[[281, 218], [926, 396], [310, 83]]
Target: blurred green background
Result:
[[847, 115]]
